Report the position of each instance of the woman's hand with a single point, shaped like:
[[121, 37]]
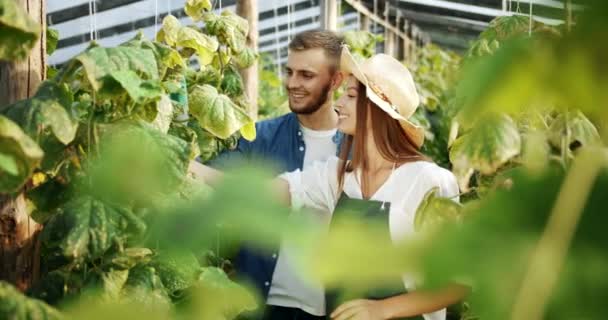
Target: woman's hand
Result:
[[359, 310]]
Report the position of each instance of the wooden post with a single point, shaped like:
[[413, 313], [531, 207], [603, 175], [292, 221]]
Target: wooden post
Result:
[[329, 15], [365, 23], [19, 259], [248, 9]]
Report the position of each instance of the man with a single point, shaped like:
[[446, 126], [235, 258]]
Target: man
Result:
[[294, 141]]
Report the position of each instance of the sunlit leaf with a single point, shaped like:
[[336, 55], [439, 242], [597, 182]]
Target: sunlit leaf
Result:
[[574, 127], [435, 212], [204, 45], [196, 8], [486, 147], [100, 63], [246, 58], [18, 31], [19, 156], [229, 28], [215, 112], [169, 31]]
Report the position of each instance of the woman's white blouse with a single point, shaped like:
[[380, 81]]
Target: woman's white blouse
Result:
[[317, 187]]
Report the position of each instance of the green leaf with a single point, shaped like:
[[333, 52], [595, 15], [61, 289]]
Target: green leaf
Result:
[[140, 91], [144, 287], [222, 298], [113, 282], [166, 57], [215, 112], [246, 58], [492, 142], [575, 126], [85, 228], [163, 119], [361, 43], [50, 108], [20, 155], [131, 257], [204, 45], [435, 211], [177, 270], [168, 32], [196, 8], [232, 82], [159, 172], [15, 305], [229, 28], [100, 63], [52, 37], [18, 31]]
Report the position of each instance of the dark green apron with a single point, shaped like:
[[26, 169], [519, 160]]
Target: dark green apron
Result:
[[369, 210]]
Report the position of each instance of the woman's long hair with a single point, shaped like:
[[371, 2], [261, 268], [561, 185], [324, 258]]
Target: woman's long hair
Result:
[[391, 140]]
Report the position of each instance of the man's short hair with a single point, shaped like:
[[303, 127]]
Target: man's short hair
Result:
[[329, 41]]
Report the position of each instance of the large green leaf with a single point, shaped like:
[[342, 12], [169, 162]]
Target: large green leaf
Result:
[[219, 297], [178, 270], [204, 45], [166, 57], [168, 32], [196, 8], [160, 170], [18, 31], [144, 287], [215, 112], [139, 90], [573, 127], [15, 306], [229, 28], [19, 156], [492, 142], [435, 211], [99, 64], [246, 58], [49, 109], [85, 228]]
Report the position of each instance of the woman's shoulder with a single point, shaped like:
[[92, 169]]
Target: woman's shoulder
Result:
[[429, 173]]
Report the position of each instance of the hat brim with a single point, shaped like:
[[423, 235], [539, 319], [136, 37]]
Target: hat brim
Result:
[[349, 64]]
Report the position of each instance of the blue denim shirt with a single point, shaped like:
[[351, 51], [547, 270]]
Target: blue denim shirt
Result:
[[280, 141]]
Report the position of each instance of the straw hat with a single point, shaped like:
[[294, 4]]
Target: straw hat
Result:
[[390, 86]]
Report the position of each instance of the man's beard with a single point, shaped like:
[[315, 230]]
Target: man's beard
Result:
[[315, 104]]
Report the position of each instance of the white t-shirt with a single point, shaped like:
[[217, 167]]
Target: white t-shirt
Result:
[[317, 186], [287, 288]]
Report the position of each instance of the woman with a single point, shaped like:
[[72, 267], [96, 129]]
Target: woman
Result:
[[380, 171]]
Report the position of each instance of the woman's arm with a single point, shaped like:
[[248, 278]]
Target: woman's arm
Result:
[[213, 177], [404, 305]]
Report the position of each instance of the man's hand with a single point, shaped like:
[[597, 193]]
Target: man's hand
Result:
[[359, 310]]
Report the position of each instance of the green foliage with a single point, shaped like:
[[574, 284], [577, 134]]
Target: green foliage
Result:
[[18, 31], [362, 43], [216, 112], [489, 145], [15, 306], [52, 37], [19, 156]]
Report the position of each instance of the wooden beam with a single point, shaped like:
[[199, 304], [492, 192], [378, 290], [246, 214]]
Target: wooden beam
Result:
[[19, 80], [248, 9], [357, 5]]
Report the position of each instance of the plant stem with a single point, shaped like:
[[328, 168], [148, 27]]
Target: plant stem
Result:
[[550, 253], [568, 11]]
